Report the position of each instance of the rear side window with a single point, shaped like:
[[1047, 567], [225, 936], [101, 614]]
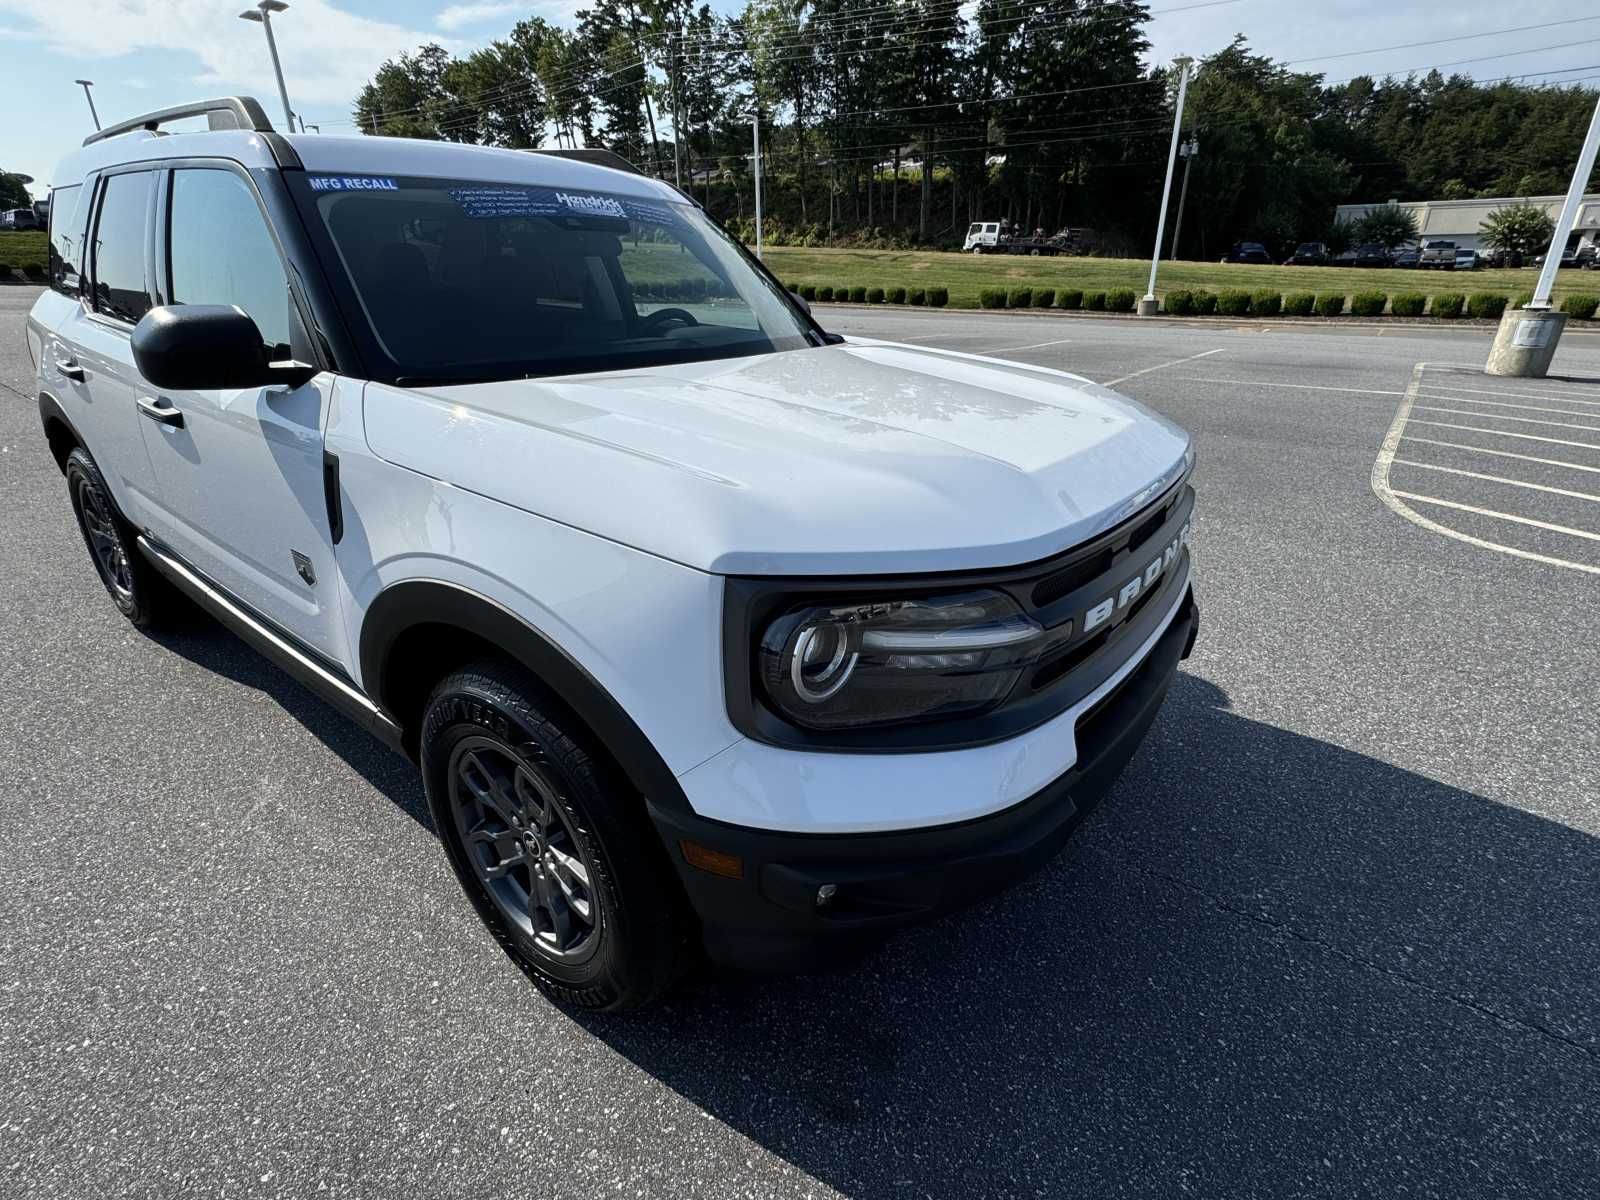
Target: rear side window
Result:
[[119, 246], [66, 238], [223, 253]]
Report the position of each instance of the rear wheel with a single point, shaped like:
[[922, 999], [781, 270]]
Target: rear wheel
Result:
[[550, 842], [136, 587]]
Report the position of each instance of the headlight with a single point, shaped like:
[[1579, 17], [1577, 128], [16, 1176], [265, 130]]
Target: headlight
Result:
[[827, 666]]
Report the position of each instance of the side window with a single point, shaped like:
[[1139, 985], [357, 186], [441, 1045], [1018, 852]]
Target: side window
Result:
[[66, 238], [120, 237], [223, 253]]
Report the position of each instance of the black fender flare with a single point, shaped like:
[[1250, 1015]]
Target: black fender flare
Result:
[[50, 410], [412, 603]]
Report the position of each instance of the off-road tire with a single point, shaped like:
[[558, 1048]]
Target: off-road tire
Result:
[[140, 591], [492, 717]]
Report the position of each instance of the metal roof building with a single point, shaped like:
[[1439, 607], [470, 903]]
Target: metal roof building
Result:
[[1461, 221]]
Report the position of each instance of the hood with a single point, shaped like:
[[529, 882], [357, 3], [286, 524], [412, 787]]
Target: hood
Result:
[[865, 457]]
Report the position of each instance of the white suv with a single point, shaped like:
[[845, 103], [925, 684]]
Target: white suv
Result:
[[705, 627]]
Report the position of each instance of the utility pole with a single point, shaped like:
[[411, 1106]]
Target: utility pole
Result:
[[1149, 306], [674, 44], [262, 15], [1527, 338], [1189, 150], [86, 84], [755, 128]]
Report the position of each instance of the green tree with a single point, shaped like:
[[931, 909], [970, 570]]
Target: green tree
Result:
[[1524, 229], [1388, 226], [1341, 235], [13, 192]]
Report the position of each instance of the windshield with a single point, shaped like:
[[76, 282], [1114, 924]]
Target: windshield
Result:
[[466, 280]]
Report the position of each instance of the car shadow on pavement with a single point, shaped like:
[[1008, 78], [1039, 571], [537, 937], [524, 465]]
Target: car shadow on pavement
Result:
[[1269, 966], [207, 644]]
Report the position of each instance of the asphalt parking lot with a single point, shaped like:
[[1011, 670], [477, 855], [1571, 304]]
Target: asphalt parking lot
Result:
[[1335, 933]]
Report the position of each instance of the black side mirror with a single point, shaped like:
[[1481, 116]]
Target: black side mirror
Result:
[[801, 301], [197, 347]]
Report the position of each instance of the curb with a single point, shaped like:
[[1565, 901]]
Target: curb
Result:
[[1258, 324]]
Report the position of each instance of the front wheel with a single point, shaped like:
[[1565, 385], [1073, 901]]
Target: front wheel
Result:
[[549, 842]]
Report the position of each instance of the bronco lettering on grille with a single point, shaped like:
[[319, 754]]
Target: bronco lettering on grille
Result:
[[1100, 613]]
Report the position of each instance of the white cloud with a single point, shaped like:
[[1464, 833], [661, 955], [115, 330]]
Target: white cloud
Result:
[[328, 54], [458, 16]]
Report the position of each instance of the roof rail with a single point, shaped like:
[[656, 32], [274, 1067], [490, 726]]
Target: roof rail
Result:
[[594, 155], [226, 112]]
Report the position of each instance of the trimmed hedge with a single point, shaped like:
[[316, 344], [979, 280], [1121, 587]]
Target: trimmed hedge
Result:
[[1069, 298], [859, 293], [1266, 304], [1299, 304], [34, 272], [1330, 304], [1449, 305], [916, 296], [824, 292], [1044, 298], [1486, 305], [1407, 304], [841, 294], [895, 295], [992, 298], [1121, 300], [1233, 302], [938, 297], [875, 295], [1522, 300], [1581, 308], [1095, 301], [1205, 303], [808, 291], [1369, 304], [1179, 303], [1020, 297]]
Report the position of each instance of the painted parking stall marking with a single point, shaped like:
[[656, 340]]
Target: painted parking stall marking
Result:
[[1509, 466]]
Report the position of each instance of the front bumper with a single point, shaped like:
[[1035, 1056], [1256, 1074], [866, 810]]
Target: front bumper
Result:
[[770, 918]]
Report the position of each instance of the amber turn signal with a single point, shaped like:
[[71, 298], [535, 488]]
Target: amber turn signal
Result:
[[730, 866]]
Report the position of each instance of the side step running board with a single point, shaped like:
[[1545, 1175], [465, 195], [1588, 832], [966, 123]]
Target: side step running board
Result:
[[311, 674]]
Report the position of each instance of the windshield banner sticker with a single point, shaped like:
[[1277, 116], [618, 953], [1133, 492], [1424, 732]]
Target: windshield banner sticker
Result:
[[351, 183], [486, 202]]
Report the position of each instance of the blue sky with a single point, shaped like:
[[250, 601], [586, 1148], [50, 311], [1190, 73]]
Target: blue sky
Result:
[[147, 54]]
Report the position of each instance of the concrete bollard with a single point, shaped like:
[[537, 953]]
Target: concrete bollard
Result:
[[1149, 308], [1526, 342]]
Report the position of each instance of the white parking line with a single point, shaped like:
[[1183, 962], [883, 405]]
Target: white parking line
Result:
[[1467, 412], [1507, 404], [1272, 383], [1033, 346], [1549, 462], [1396, 501], [1161, 366], [1500, 516], [1592, 396], [1537, 487], [1527, 437]]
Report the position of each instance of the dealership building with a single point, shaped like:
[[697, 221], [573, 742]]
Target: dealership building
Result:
[[1461, 221]]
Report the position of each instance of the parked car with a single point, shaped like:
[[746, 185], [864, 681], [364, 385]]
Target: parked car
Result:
[[659, 695], [1406, 259], [1247, 252], [1370, 255], [1438, 255], [1308, 254], [1466, 260], [18, 219]]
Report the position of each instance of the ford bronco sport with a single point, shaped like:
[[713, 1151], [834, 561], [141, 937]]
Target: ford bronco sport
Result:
[[706, 628]]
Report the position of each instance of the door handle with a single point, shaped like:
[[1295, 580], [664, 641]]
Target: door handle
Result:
[[69, 368], [161, 411]]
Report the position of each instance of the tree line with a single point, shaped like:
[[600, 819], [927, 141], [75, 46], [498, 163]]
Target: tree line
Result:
[[897, 122]]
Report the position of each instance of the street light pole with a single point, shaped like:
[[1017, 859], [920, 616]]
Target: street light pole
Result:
[[1569, 213], [755, 127], [1189, 150], [1149, 306], [262, 15], [86, 84]]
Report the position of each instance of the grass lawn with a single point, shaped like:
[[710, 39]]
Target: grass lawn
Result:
[[966, 274], [18, 249]]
